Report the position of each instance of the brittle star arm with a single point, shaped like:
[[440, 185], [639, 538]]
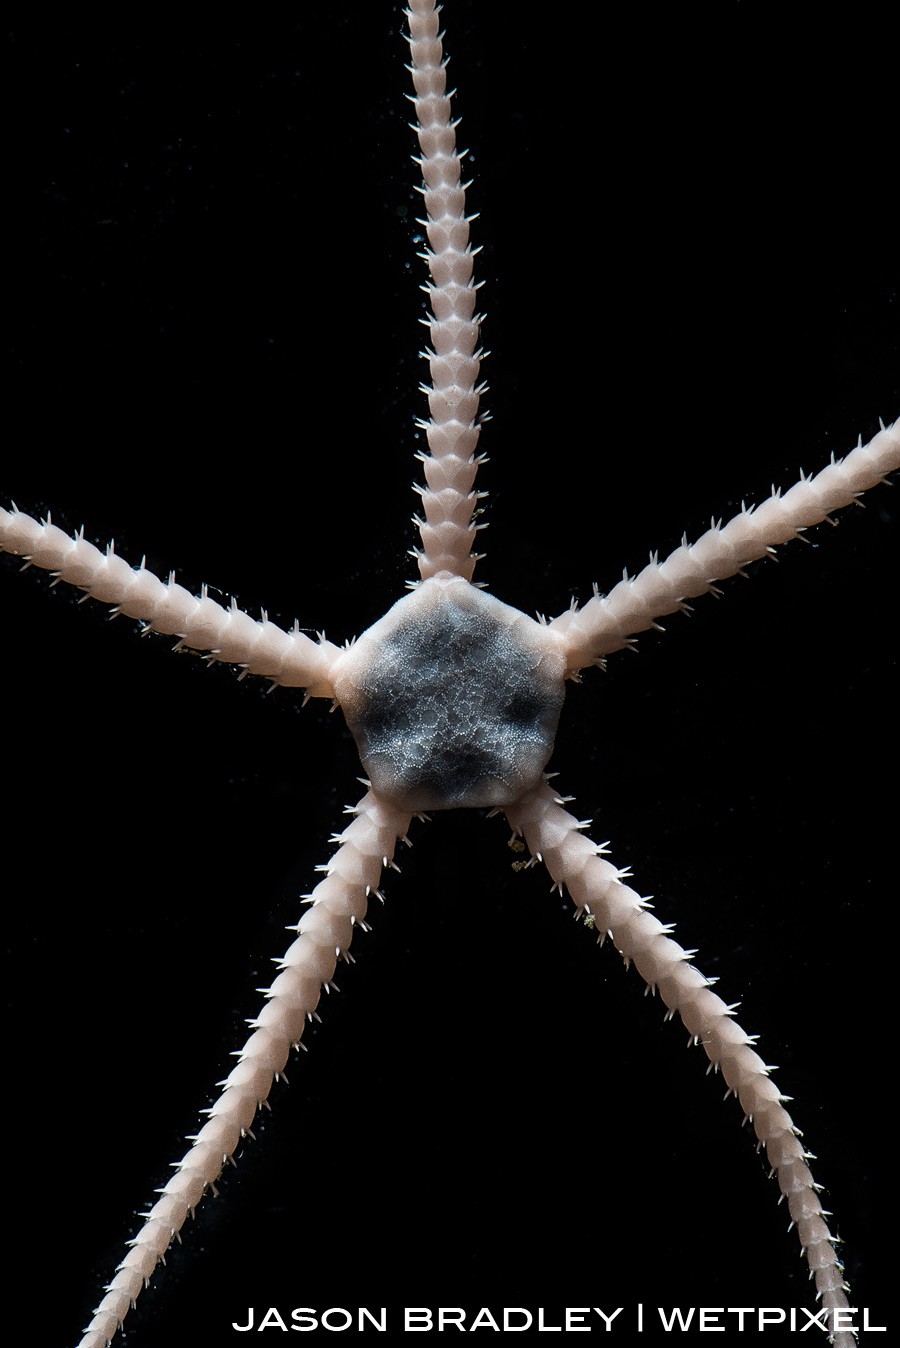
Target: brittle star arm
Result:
[[595, 886], [338, 906], [608, 622], [226, 633], [448, 500]]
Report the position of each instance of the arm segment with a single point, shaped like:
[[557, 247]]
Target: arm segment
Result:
[[324, 934], [448, 500], [607, 622], [228, 634], [596, 887]]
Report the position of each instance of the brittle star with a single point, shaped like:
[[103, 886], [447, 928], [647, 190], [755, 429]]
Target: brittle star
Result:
[[581, 557]]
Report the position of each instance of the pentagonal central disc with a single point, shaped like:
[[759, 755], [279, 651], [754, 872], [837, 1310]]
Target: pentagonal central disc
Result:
[[453, 698]]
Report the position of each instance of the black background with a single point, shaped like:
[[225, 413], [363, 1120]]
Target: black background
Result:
[[691, 292]]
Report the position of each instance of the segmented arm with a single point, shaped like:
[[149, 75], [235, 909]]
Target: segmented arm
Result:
[[607, 622], [324, 933], [448, 500], [228, 634], [596, 887]]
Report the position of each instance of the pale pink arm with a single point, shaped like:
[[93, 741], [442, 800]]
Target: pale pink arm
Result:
[[228, 634], [607, 622], [596, 887], [448, 500], [324, 933]]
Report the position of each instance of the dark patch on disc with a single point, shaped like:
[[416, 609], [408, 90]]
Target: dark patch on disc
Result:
[[454, 712]]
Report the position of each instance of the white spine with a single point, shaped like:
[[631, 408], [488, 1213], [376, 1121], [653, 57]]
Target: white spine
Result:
[[607, 622], [228, 634], [448, 499], [324, 933], [596, 887]]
